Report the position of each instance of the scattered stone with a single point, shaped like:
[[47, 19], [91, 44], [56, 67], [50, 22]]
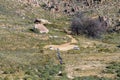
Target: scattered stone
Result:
[[76, 48], [60, 73], [50, 36], [70, 77], [55, 36], [56, 29], [1, 72], [64, 38], [23, 17], [67, 31], [51, 48]]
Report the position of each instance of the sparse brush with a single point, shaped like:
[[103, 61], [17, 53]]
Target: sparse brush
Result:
[[91, 27]]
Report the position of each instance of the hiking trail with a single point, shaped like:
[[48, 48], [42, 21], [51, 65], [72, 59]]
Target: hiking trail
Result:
[[64, 47]]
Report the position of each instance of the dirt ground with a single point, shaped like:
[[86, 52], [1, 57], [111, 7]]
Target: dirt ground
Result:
[[77, 65], [64, 47], [92, 64]]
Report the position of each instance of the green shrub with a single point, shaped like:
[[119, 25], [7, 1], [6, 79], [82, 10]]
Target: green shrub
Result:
[[114, 68], [9, 71], [36, 30], [1, 78], [118, 72], [7, 78], [46, 72], [91, 78]]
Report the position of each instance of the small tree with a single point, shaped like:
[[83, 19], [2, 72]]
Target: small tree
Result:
[[91, 27]]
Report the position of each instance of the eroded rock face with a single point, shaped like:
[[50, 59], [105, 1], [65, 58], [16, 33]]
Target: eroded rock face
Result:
[[31, 2]]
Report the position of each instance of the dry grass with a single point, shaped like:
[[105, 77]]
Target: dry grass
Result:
[[89, 64], [21, 49]]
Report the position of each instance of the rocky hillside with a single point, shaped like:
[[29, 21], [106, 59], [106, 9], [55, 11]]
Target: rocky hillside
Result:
[[94, 8], [29, 55]]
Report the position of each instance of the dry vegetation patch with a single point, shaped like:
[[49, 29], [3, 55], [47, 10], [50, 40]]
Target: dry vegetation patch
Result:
[[89, 64]]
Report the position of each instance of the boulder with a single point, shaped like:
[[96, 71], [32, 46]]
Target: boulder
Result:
[[43, 21], [41, 28]]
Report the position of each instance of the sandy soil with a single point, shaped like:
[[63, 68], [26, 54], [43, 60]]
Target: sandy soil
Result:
[[63, 47]]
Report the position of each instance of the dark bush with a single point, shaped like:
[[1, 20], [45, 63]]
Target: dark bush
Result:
[[91, 27]]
